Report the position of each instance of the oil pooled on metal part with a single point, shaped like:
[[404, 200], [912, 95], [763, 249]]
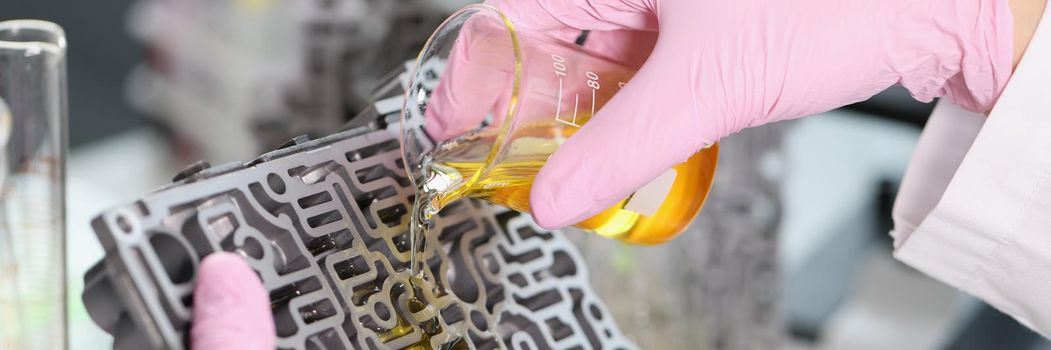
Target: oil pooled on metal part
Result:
[[419, 315]]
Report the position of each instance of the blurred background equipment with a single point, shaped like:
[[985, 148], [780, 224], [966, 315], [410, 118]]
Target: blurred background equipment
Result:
[[32, 185], [717, 285], [259, 72]]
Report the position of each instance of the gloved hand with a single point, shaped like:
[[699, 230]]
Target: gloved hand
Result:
[[719, 66], [231, 309]]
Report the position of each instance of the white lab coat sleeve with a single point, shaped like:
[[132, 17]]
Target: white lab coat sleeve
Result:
[[974, 210], [949, 133]]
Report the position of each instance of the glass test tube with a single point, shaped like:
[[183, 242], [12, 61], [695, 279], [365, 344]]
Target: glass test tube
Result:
[[32, 185]]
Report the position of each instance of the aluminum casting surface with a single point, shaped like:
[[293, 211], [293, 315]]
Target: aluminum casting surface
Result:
[[324, 223]]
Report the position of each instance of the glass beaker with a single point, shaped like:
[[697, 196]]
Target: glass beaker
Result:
[[500, 100], [32, 190]]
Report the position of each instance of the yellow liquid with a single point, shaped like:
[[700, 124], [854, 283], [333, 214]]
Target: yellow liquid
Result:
[[455, 175], [407, 325]]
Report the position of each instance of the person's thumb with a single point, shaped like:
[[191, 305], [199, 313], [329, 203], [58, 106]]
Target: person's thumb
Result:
[[231, 309], [649, 126]]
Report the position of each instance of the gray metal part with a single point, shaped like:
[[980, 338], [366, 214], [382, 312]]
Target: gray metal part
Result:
[[321, 219]]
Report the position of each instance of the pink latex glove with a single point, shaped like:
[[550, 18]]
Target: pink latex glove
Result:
[[719, 66], [231, 309]]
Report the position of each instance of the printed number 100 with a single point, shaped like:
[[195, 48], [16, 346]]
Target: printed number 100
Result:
[[559, 64]]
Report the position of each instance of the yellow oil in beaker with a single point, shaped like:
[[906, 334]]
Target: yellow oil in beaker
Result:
[[456, 167], [516, 96]]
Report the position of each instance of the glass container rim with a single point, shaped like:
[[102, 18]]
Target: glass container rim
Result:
[[56, 46], [508, 120]]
